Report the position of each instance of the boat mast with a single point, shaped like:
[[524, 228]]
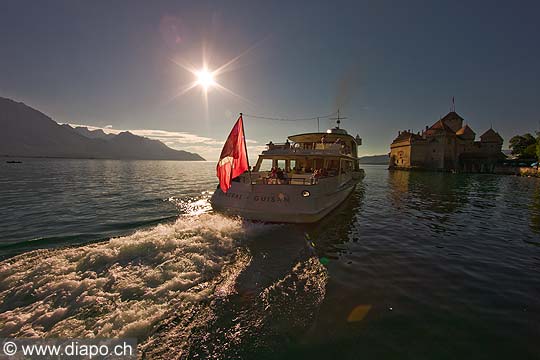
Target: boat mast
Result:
[[338, 119]]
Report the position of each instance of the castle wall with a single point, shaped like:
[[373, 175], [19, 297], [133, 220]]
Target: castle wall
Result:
[[434, 154], [450, 152], [418, 154], [400, 155]]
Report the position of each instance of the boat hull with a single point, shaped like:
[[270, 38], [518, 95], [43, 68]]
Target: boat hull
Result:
[[282, 203]]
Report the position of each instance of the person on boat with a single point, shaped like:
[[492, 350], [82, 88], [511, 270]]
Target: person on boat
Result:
[[270, 145], [287, 144], [279, 175], [315, 176]]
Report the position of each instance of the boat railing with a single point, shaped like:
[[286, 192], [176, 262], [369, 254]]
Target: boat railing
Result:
[[278, 146], [263, 178], [290, 181], [307, 148]]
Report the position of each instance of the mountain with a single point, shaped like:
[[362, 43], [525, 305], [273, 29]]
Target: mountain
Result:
[[25, 131], [92, 134], [374, 160]]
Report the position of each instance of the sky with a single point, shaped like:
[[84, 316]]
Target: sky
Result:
[[388, 66]]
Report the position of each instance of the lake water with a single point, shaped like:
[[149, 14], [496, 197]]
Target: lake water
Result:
[[412, 265]]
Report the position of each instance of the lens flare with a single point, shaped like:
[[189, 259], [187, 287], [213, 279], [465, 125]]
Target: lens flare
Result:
[[205, 78]]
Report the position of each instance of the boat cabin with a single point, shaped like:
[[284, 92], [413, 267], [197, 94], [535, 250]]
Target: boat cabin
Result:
[[306, 158]]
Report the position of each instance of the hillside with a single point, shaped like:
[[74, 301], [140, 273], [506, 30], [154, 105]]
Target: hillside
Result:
[[25, 131], [374, 160]]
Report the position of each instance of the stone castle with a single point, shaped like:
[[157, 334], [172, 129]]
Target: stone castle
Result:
[[447, 145]]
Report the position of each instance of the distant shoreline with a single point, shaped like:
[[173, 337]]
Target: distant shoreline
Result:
[[88, 158], [374, 160]]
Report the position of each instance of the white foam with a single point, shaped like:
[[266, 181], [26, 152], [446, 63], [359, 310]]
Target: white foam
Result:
[[118, 288]]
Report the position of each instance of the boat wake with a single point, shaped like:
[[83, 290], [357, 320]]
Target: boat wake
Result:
[[199, 287]]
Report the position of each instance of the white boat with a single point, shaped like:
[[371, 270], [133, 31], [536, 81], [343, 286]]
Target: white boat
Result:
[[317, 172]]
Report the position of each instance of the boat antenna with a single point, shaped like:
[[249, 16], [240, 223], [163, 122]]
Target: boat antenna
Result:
[[338, 119], [318, 128], [245, 146]]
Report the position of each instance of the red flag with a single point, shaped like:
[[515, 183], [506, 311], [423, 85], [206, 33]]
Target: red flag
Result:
[[233, 159]]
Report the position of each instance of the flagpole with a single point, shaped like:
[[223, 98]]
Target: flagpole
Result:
[[245, 146]]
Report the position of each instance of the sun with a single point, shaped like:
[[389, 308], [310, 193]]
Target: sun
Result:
[[205, 78], [208, 78]]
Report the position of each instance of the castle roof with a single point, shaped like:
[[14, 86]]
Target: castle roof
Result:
[[466, 132], [491, 136], [447, 123], [407, 136], [451, 116], [441, 125]]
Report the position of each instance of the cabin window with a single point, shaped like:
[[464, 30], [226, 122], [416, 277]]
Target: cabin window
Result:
[[266, 165], [281, 164], [318, 163], [332, 164], [347, 166], [292, 165]]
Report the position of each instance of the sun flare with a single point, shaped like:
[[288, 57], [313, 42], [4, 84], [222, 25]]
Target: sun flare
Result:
[[205, 78]]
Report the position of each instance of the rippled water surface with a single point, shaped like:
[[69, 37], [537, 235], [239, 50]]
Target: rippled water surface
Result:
[[412, 265]]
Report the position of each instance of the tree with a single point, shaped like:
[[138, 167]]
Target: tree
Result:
[[529, 139], [529, 152], [538, 145], [520, 144]]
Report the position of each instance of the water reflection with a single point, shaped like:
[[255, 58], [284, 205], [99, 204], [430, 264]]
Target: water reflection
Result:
[[337, 228], [441, 201], [437, 192]]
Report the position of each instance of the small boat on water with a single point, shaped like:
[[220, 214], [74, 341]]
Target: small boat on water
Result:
[[298, 181], [13, 162]]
